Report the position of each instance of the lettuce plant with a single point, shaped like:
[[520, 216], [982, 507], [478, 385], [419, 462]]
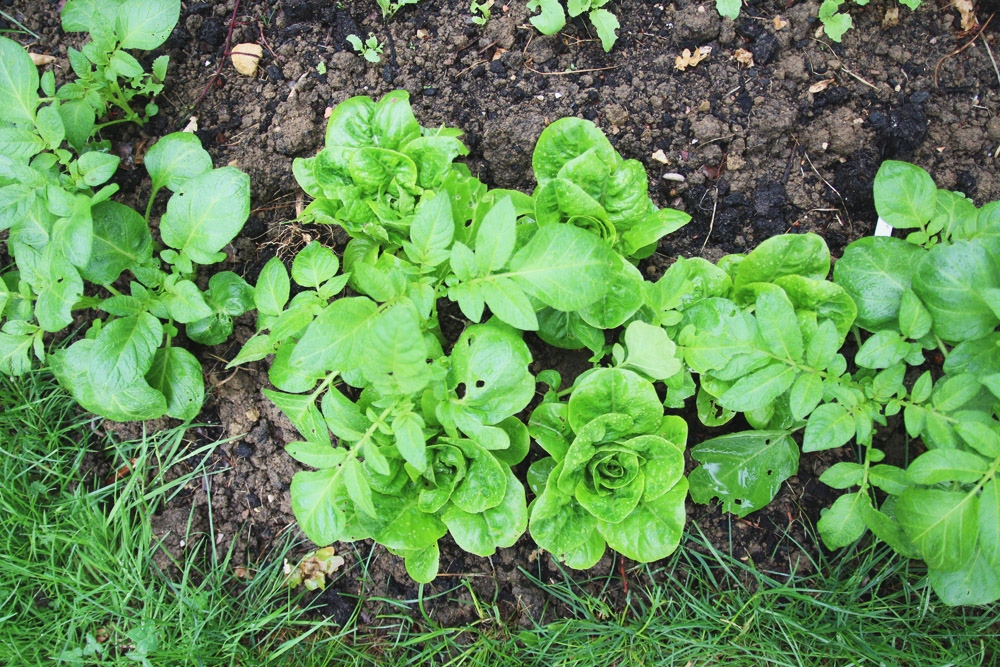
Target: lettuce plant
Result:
[[426, 436], [551, 17], [63, 234], [614, 474]]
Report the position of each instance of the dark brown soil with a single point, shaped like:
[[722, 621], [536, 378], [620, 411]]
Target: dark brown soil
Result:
[[750, 152]]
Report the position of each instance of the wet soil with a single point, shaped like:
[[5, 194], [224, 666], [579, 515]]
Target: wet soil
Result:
[[789, 144]]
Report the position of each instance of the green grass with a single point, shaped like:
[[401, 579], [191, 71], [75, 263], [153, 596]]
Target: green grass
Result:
[[76, 564], [76, 555]]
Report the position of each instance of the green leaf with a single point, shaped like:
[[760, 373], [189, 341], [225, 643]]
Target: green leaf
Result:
[[14, 354], [106, 375], [343, 417], [61, 288], [175, 159], [336, 338], [314, 503], [74, 235], [422, 565], [563, 267], [653, 530], [914, 319], [18, 84], [787, 254], [729, 8], [976, 582], [606, 23], [989, 519], [508, 302], [953, 393], [490, 364], [843, 475], [558, 523], [78, 120], [943, 525], [946, 465], [176, 373], [651, 353], [876, 271], [495, 238], [303, 413], [314, 265], [431, 232], [410, 440], [145, 24], [549, 427], [882, 350], [806, 394], [315, 454], [835, 25], [620, 298], [186, 302], [615, 391], [890, 479], [121, 240], [759, 389], [394, 354], [497, 527], [229, 294], [124, 65], [980, 437], [844, 522], [20, 144], [357, 487], [272, 289], [49, 124], [829, 426], [905, 194], [950, 280], [551, 19], [777, 327], [744, 470], [206, 213]]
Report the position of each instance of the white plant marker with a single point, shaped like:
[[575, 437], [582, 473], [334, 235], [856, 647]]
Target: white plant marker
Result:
[[883, 228]]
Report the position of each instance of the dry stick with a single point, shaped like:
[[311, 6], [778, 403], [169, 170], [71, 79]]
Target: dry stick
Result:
[[835, 191], [963, 48], [711, 224], [870, 85], [993, 60], [575, 71], [222, 60]]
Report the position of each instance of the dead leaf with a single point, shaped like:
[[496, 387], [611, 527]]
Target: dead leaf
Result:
[[41, 59], [743, 57], [820, 86], [688, 59], [314, 568], [968, 14], [660, 156], [192, 125], [780, 23], [499, 53], [891, 18], [245, 58], [423, 34]]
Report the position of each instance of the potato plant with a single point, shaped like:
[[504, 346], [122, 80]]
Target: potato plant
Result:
[[72, 245]]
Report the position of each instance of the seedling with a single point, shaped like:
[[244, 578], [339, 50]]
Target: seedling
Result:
[[370, 49], [552, 18]]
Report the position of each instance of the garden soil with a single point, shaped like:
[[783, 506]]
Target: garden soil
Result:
[[777, 130]]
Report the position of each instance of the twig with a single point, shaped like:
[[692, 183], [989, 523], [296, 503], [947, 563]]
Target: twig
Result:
[[993, 60], [575, 71], [222, 60], [711, 224], [870, 85], [835, 191], [963, 48]]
